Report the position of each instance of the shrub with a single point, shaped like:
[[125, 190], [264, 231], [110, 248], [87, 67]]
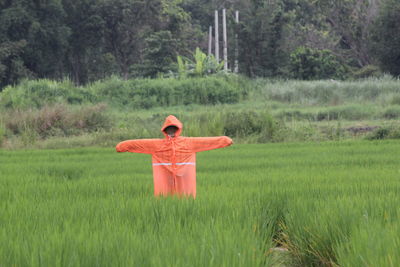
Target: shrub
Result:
[[314, 64], [391, 113], [38, 93], [136, 93], [367, 71], [345, 112], [388, 132], [147, 93], [242, 124], [91, 118], [57, 120], [294, 115], [353, 112], [395, 100], [247, 123]]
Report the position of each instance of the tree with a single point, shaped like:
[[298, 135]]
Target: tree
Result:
[[12, 67], [386, 38], [158, 55], [351, 21], [313, 64], [39, 25], [86, 57], [88, 40], [127, 23], [261, 31]]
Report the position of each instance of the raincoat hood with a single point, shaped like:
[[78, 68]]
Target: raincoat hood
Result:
[[172, 121]]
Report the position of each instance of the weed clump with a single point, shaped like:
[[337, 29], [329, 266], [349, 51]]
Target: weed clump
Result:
[[248, 123], [57, 120], [388, 132], [392, 113]]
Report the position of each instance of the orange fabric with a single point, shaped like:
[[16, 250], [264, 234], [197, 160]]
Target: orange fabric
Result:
[[174, 158]]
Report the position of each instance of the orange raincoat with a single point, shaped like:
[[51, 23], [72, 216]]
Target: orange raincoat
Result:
[[174, 158]]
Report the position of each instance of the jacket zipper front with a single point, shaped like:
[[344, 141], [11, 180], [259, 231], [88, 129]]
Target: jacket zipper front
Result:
[[173, 163]]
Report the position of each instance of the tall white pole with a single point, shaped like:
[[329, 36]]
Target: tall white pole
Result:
[[216, 37], [210, 41], [225, 38], [236, 69]]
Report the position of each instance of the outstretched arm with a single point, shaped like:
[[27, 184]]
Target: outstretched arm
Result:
[[199, 144], [147, 146]]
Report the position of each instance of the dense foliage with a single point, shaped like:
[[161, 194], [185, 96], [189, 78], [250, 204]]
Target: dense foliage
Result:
[[127, 94], [386, 38], [92, 39], [307, 64]]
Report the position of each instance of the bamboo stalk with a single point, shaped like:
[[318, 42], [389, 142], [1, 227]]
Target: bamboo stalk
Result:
[[216, 37], [236, 68], [225, 40], [210, 41]]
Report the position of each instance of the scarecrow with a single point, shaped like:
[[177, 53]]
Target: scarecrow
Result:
[[174, 157]]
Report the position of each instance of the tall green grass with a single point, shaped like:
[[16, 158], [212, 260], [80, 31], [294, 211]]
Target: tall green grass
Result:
[[127, 94], [383, 90], [211, 90], [327, 203]]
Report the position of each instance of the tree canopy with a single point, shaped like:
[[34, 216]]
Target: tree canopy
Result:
[[89, 40]]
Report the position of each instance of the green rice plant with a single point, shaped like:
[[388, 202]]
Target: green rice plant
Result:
[[107, 220], [371, 244], [327, 203]]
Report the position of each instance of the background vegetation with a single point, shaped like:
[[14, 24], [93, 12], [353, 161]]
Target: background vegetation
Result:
[[45, 113], [88, 40], [95, 72]]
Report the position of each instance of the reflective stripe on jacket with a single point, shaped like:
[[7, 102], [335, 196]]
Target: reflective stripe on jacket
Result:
[[174, 158]]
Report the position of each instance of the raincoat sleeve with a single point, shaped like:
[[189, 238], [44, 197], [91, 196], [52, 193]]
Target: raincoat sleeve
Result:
[[198, 144], [147, 146]]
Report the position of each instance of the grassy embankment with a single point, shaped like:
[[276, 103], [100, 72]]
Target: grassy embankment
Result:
[[52, 114], [327, 203]]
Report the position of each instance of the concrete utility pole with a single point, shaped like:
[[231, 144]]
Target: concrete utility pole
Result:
[[210, 41], [216, 37], [236, 69], [225, 39]]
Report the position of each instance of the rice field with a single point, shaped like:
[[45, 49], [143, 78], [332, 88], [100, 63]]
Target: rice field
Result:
[[287, 204]]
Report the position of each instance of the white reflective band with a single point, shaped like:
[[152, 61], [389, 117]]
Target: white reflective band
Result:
[[179, 163]]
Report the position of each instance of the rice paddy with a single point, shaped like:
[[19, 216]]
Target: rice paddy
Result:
[[321, 204]]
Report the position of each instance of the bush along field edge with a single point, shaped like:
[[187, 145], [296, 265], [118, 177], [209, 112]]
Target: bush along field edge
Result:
[[45, 113]]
